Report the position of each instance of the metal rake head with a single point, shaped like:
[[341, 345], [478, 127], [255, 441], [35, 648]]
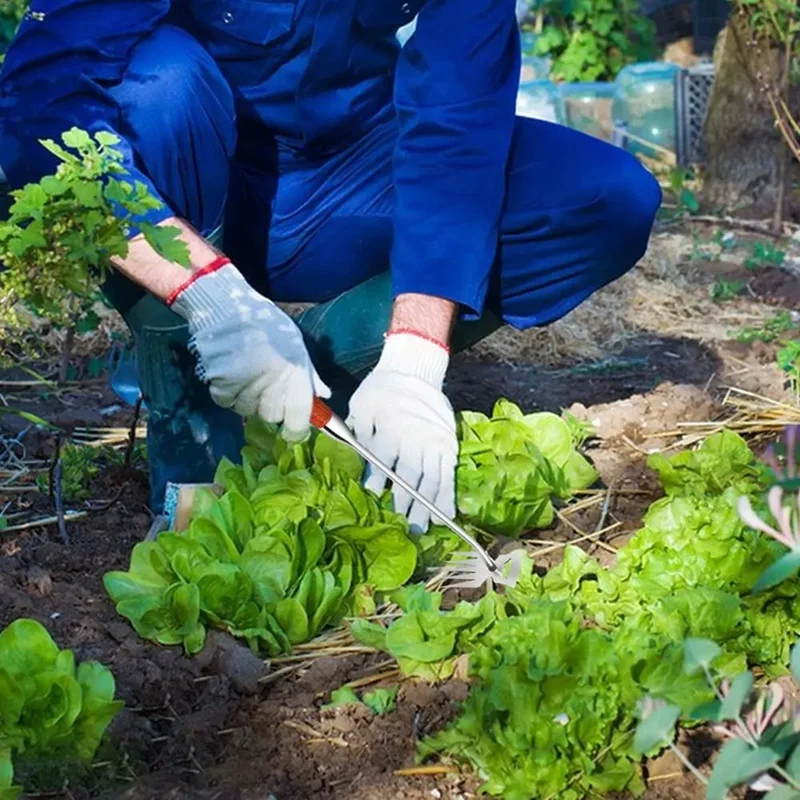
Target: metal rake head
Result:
[[471, 572]]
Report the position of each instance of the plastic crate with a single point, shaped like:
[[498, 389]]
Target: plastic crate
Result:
[[587, 108], [644, 108], [692, 94], [540, 100], [535, 68]]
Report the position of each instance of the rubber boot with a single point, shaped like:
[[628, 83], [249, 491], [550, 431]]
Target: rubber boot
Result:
[[187, 433]]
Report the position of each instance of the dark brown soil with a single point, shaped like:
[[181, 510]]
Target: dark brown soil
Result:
[[772, 285], [188, 733], [638, 369], [777, 287]]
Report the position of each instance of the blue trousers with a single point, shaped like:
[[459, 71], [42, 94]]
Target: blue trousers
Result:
[[578, 214]]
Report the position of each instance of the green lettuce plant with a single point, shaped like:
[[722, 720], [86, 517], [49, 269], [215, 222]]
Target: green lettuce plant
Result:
[[511, 465], [426, 641], [294, 544], [50, 711], [378, 701]]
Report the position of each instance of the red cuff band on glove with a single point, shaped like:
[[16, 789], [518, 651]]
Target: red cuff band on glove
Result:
[[418, 334], [216, 264]]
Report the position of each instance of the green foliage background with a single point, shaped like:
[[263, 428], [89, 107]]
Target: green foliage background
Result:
[[11, 13], [591, 40]]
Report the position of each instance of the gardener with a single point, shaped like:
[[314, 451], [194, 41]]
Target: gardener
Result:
[[394, 189]]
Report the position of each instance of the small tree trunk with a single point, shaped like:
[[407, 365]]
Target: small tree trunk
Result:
[[744, 168], [785, 153], [66, 354], [784, 159]]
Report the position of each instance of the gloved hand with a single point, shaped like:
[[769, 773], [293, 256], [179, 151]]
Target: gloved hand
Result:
[[400, 413], [248, 350]]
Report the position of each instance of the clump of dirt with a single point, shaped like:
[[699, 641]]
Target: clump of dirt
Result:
[[640, 417], [777, 287]]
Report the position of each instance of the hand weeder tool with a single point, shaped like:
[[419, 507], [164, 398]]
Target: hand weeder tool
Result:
[[472, 569]]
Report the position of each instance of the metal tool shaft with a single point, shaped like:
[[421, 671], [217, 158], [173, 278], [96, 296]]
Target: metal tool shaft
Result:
[[395, 478], [324, 419]]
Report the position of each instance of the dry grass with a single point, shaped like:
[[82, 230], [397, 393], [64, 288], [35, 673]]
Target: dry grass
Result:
[[656, 298], [750, 414]]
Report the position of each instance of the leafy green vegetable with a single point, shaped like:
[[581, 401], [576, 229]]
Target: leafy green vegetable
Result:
[[343, 696], [293, 545], [296, 543], [724, 462], [511, 466], [551, 699], [426, 641], [49, 710], [560, 673], [380, 701]]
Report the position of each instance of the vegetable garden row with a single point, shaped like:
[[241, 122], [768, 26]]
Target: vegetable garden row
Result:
[[576, 674]]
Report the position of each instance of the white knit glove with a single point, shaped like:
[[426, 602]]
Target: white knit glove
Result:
[[400, 413], [248, 350]]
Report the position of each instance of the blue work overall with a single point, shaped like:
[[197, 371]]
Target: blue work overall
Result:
[[341, 168]]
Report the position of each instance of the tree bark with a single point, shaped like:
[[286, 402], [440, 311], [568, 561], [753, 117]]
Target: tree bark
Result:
[[744, 166]]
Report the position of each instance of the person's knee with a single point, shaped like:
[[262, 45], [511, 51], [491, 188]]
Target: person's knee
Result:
[[632, 197], [177, 108], [172, 85]]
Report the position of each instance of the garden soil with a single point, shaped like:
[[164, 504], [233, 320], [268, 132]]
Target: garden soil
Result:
[[191, 729]]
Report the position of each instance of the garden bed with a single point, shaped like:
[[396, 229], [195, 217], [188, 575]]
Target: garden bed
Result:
[[194, 732], [185, 733]]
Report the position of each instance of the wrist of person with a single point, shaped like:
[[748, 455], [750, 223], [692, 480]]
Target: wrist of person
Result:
[[159, 275], [427, 316], [213, 294], [415, 354], [418, 339]]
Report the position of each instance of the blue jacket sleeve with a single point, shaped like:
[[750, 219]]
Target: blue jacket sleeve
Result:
[[53, 78], [455, 94]]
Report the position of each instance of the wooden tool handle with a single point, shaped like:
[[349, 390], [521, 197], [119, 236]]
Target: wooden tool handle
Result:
[[321, 415]]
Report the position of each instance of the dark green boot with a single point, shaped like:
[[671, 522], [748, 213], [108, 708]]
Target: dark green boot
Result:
[[187, 433]]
